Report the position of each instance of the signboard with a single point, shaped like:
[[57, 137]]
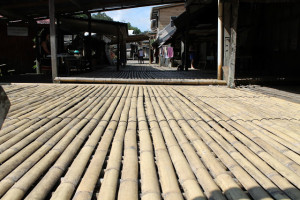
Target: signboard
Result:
[[17, 31]]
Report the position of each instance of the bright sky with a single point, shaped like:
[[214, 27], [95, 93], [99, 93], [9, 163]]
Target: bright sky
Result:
[[138, 17]]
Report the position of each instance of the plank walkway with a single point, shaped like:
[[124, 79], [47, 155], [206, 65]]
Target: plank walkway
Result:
[[148, 142]]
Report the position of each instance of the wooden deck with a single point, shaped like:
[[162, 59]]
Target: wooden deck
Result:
[[148, 142]]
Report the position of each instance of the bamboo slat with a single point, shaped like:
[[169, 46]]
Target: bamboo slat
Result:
[[90, 141], [129, 175], [72, 177], [167, 175], [149, 180], [109, 185]]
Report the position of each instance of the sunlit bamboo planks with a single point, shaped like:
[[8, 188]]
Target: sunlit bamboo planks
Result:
[[148, 142]]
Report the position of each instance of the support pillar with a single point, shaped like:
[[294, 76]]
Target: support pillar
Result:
[[150, 60], [186, 49], [53, 39], [118, 50], [232, 60], [220, 38], [88, 50], [227, 27], [186, 41]]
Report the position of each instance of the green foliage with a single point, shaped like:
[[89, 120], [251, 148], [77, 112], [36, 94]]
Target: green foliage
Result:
[[99, 15], [136, 30], [102, 16], [82, 16]]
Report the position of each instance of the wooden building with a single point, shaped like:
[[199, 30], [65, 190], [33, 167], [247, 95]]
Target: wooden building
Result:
[[162, 25], [28, 11], [161, 16], [243, 38]]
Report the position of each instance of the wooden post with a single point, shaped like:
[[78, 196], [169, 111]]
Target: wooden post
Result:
[[89, 51], [186, 41], [226, 22], [150, 61], [53, 39], [118, 50], [220, 38], [125, 53], [231, 74]]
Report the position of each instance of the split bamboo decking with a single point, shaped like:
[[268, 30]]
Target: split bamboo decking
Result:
[[148, 142]]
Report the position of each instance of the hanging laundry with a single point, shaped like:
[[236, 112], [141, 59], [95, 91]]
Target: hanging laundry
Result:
[[170, 52]]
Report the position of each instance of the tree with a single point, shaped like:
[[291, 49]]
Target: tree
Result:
[[102, 16], [99, 15], [136, 30]]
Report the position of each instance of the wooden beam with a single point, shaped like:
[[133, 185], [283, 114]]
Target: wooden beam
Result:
[[53, 39], [234, 24]]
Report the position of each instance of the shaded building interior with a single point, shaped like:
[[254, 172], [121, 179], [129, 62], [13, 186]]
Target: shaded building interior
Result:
[[263, 35], [268, 41], [89, 40]]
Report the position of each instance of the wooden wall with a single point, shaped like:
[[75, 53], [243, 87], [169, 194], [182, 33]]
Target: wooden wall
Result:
[[17, 51], [165, 15]]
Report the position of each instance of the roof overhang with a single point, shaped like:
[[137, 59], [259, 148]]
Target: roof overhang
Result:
[[76, 25], [137, 38], [155, 10], [30, 9]]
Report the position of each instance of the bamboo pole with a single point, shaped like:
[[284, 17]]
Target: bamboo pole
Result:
[[167, 175], [188, 110], [47, 161], [186, 177], [21, 140], [72, 128], [259, 157], [149, 180], [189, 132], [42, 111], [75, 171], [110, 181], [91, 176], [69, 153], [142, 81], [129, 179], [210, 188]]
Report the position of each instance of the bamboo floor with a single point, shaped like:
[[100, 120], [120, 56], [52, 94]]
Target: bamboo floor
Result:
[[134, 73], [148, 142], [283, 92]]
